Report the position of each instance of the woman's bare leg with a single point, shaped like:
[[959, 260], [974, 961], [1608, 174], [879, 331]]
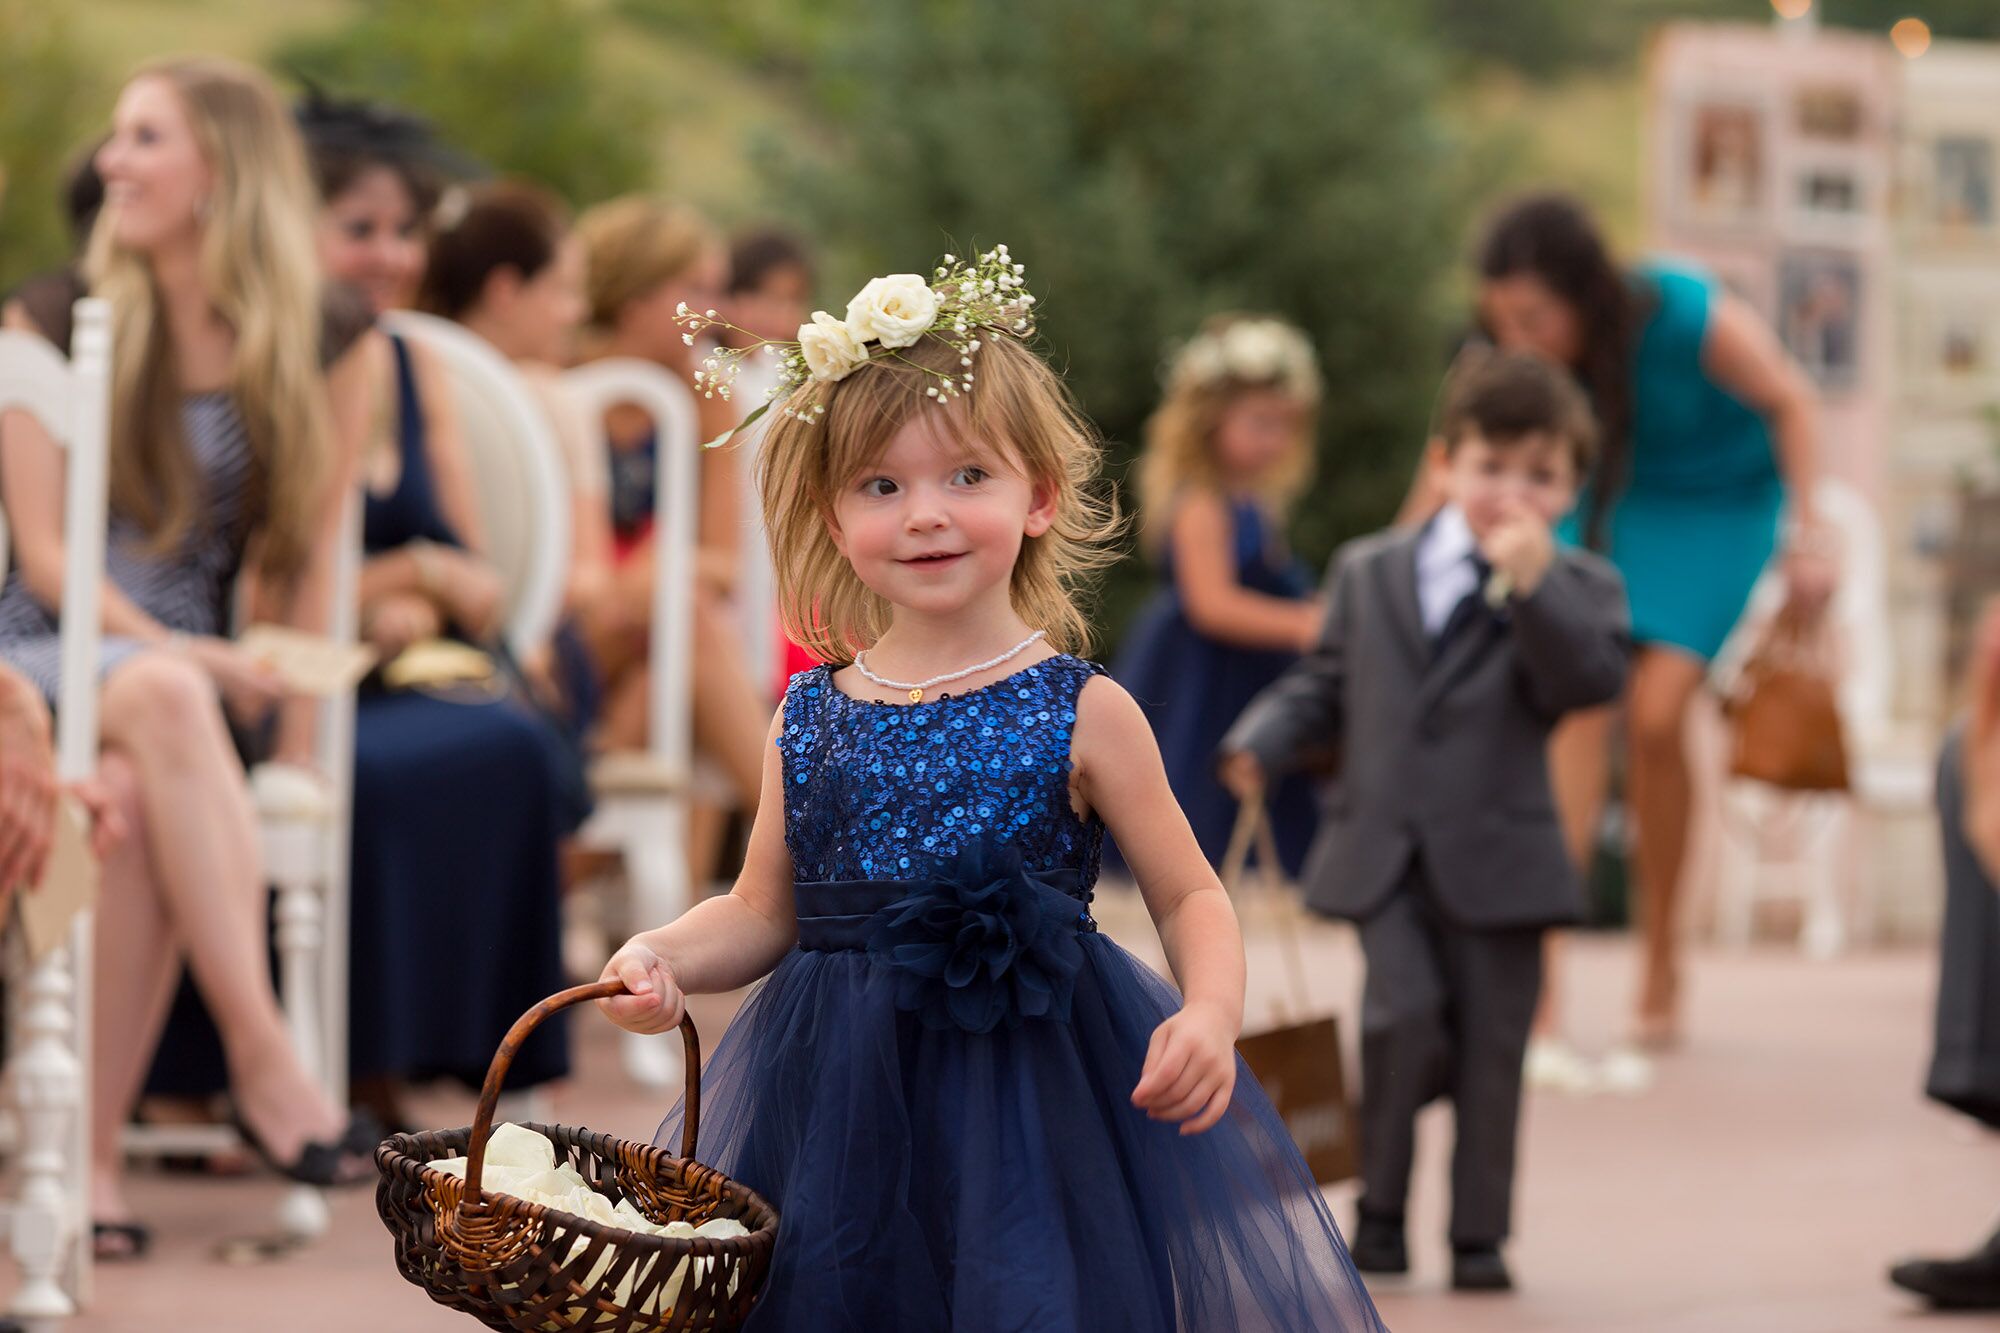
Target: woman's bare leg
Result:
[[1664, 682], [1580, 774], [162, 715], [132, 988]]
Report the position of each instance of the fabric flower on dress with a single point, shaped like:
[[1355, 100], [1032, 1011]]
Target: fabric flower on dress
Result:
[[983, 944]]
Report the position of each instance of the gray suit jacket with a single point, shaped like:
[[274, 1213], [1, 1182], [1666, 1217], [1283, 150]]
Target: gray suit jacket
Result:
[[1443, 752]]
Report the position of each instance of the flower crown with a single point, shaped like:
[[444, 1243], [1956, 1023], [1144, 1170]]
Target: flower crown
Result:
[[1257, 350], [963, 299]]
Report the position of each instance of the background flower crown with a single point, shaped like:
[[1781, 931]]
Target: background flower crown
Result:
[[1256, 350], [963, 299]]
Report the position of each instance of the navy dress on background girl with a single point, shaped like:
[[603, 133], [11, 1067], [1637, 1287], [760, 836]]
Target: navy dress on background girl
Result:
[[1192, 687], [956, 1148], [458, 811]]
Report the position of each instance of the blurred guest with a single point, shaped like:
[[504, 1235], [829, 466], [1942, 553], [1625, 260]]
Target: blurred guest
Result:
[[1227, 453], [236, 405], [1709, 441], [770, 292], [43, 302], [643, 259], [459, 805], [1965, 1068]]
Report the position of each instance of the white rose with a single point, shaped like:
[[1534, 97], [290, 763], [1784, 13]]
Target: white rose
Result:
[[830, 347], [895, 311]]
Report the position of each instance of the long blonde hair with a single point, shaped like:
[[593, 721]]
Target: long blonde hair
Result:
[[260, 270], [1209, 375], [1020, 408]]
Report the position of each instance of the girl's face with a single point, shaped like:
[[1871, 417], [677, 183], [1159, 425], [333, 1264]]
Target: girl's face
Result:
[[369, 238], [532, 319], [1258, 429], [934, 526], [1524, 314], [156, 180]]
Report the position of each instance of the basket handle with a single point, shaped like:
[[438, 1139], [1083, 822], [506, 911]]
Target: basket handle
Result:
[[510, 1046]]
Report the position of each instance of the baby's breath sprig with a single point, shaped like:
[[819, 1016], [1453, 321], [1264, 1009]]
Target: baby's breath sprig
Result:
[[965, 299]]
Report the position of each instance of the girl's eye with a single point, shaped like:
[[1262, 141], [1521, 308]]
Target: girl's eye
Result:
[[359, 230], [969, 476], [878, 486]]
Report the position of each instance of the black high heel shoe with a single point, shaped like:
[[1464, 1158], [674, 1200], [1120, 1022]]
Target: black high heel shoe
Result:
[[328, 1165]]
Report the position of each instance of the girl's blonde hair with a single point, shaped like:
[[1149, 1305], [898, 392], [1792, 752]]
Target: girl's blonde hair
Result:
[[1020, 407], [1179, 454], [631, 246], [260, 270]]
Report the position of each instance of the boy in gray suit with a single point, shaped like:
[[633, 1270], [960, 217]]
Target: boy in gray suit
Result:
[[1447, 656]]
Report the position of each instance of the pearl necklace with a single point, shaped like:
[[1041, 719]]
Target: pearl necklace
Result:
[[917, 688]]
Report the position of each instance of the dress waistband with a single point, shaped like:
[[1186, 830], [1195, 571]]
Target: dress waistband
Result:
[[838, 914]]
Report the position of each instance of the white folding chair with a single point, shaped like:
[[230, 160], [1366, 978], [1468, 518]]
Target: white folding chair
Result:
[[49, 1072], [1774, 846], [642, 798]]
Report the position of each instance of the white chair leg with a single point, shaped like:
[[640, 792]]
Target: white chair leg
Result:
[[303, 1211], [1823, 934], [1737, 909], [656, 865], [48, 1081]]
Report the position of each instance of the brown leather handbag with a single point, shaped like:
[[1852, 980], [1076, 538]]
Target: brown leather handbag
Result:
[[1784, 718]]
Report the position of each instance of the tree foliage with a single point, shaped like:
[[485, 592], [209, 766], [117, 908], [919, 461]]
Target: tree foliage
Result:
[[1154, 162], [514, 83]]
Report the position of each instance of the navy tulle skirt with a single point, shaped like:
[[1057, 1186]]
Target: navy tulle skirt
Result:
[[929, 1177]]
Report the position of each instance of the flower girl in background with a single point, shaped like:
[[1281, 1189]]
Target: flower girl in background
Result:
[[1226, 454], [973, 1111]]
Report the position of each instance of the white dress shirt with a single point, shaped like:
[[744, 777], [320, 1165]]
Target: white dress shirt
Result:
[[1445, 572]]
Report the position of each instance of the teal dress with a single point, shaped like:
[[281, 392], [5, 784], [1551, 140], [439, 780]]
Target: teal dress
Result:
[[1697, 521]]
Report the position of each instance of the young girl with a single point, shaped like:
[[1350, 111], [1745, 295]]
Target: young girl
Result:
[[973, 1111], [1226, 454]]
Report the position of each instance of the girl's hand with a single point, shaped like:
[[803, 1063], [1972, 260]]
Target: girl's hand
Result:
[[1190, 1069], [1240, 774], [655, 1002]]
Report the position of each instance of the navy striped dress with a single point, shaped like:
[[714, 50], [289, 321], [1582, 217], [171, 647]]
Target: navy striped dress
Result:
[[187, 589]]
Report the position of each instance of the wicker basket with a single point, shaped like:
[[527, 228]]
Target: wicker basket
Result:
[[520, 1265]]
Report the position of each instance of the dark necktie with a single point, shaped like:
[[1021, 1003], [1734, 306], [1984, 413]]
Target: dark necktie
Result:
[[1471, 606]]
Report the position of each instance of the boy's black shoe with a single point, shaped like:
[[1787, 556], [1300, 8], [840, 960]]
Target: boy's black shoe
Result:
[[1479, 1268], [1970, 1283], [1379, 1246]]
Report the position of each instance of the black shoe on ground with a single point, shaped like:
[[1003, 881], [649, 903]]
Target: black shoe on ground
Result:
[[1969, 1283], [1379, 1246], [1479, 1269]]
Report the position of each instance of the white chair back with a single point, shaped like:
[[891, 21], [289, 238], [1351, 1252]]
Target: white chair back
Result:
[[517, 465], [50, 1227], [596, 389]]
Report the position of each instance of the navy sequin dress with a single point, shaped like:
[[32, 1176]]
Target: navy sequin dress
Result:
[[934, 1088]]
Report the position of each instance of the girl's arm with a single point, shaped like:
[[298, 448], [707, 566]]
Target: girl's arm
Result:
[[1190, 1068], [1203, 539], [722, 943], [1744, 356]]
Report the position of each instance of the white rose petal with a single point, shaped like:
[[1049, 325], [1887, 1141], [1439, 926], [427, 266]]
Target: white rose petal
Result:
[[894, 311], [830, 346]]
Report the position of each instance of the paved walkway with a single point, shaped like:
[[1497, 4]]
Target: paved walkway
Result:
[[1764, 1182]]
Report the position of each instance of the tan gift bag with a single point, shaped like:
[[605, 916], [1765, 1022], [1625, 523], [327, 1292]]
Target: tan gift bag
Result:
[[1784, 719], [1298, 1060]]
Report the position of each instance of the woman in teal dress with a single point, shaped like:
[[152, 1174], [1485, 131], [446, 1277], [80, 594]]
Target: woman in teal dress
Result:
[[1707, 474]]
